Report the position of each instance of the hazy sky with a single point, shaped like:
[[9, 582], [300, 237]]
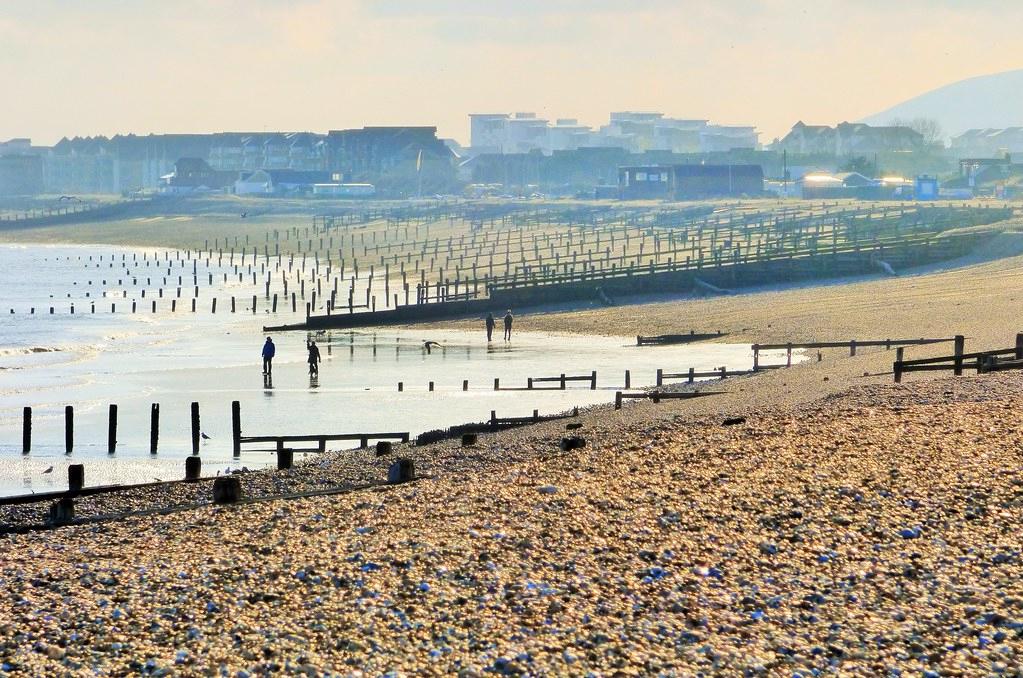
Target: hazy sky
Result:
[[108, 66]]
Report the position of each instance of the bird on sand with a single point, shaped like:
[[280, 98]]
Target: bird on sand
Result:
[[49, 470], [204, 436]]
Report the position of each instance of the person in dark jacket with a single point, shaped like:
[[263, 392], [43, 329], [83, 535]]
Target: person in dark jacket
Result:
[[491, 323], [269, 350], [314, 358], [507, 325]]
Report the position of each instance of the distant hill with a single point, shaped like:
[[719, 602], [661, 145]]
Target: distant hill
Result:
[[985, 101]]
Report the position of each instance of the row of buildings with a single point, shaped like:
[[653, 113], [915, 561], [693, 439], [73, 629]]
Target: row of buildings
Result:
[[634, 132], [392, 158], [513, 153]]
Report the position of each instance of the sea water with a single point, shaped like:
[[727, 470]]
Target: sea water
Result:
[[90, 360]]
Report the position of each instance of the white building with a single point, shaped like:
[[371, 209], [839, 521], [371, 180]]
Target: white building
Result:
[[634, 131]]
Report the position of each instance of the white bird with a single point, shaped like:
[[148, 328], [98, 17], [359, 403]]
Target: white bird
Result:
[[49, 470]]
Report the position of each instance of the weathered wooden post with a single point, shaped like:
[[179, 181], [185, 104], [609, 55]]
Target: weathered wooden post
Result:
[[195, 428], [852, 347], [465, 384], [897, 367], [401, 471], [756, 357], [618, 400], [593, 380], [193, 468], [154, 427], [26, 431], [660, 376], [62, 512], [562, 381], [227, 490], [75, 477], [628, 379], [401, 386], [788, 355], [236, 427], [285, 457], [497, 384], [431, 386], [69, 428], [960, 344], [383, 448], [1019, 346], [112, 429]]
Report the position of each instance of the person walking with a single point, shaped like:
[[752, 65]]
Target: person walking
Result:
[[314, 359], [507, 325], [269, 350], [490, 326]]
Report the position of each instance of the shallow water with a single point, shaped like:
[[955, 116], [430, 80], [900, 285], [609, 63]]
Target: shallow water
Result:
[[91, 360]]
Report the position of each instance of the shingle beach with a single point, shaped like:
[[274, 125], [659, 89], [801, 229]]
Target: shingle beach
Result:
[[872, 532]]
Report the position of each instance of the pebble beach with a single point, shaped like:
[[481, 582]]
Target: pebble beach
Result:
[[811, 521], [873, 532]]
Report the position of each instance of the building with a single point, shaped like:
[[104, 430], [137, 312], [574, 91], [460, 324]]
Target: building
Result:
[[988, 143], [20, 174], [631, 131], [399, 161], [269, 182], [689, 182], [848, 139], [192, 175]]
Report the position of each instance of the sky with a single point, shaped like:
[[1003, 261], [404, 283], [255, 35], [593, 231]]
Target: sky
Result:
[[86, 67]]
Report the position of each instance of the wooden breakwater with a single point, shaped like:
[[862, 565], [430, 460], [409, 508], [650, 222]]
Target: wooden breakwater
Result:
[[668, 277], [982, 362]]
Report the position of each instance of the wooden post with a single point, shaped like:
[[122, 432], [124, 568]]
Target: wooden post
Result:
[[193, 468], [618, 400], [562, 381], [692, 374], [26, 431], [529, 383], [897, 367], [401, 387], [69, 428], [497, 384], [75, 477], [465, 384], [236, 427], [227, 490], [593, 380], [285, 458], [756, 357], [788, 355], [195, 428], [628, 380], [852, 347], [960, 344], [660, 376], [724, 372], [154, 427], [112, 430], [431, 386]]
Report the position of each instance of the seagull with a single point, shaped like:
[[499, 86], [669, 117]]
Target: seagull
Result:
[[49, 470], [428, 345], [204, 436]]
